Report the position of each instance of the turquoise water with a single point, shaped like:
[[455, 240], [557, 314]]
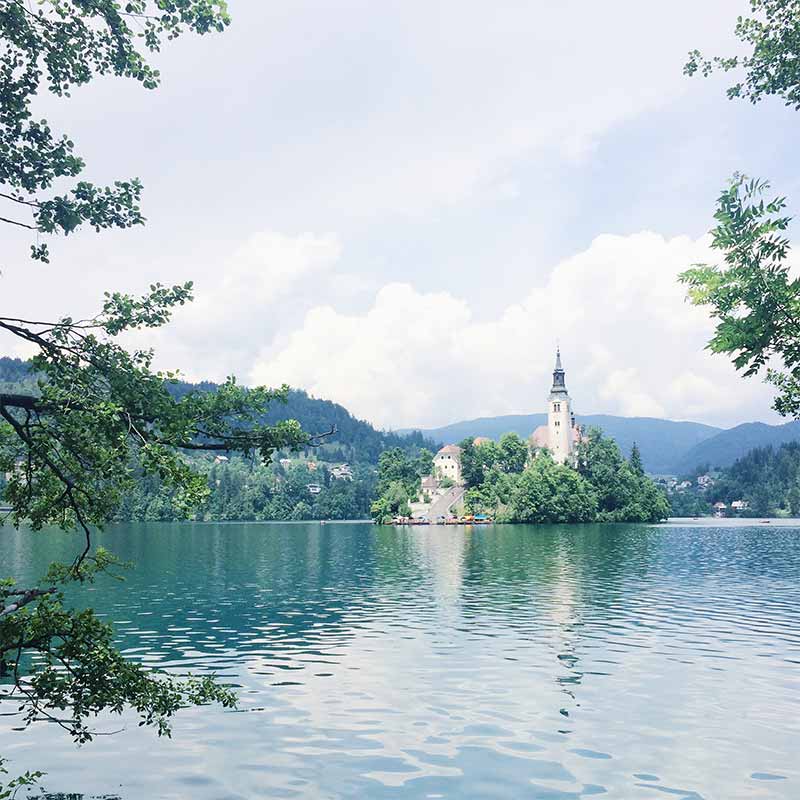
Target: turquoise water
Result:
[[497, 662]]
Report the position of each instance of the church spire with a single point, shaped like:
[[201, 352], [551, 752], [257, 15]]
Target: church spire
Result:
[[559, 384]]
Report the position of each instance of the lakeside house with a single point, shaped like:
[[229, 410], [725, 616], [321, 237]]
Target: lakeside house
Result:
[[447, 463], [429, 486], [342, 472]]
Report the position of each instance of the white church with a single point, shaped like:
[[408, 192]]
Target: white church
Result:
[[444, 489], [559, 436]]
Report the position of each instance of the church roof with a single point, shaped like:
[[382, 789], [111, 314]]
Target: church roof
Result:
[[450, 450], [479, 440], [540, 437]]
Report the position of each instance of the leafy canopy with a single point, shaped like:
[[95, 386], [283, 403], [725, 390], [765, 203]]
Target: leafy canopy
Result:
[[772, 65], [98, 415], [61, 44], [100, 418], [752, 293]]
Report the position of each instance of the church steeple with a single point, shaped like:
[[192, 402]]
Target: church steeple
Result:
[[560, 421], [559, 384]]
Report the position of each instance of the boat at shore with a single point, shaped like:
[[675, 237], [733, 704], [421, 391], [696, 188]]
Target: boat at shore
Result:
[[477, 519]]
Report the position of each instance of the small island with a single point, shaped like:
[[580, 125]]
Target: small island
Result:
[[562, 474]]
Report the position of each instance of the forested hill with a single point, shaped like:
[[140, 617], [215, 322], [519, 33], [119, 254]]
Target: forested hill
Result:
[[767, 478], [15, 375], [355, 440]]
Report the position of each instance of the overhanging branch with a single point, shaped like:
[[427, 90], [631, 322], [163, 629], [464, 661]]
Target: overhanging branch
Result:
[[25, 401], [25, 596]]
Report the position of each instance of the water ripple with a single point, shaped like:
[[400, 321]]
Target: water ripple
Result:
[[630, 661]]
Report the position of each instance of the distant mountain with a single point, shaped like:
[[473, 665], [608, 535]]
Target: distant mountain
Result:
[[662, 442], [727, 446], [667, 447]]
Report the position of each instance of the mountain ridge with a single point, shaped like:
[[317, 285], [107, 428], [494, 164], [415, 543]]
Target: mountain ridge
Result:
[[667, 446], [722, 449]]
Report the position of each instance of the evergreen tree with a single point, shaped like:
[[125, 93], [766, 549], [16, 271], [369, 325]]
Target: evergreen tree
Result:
[[636, 460]]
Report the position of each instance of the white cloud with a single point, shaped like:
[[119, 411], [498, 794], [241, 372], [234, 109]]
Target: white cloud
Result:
[[632, 345], [243, 303], [450, 148], [268, 265]]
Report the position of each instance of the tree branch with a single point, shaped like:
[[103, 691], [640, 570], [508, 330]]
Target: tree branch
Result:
[[20, 224], [20, 200], [25, 596], [26, 401]]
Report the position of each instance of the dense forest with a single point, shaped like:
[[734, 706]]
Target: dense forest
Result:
[[15, 376], [310, 484], [243, 490]]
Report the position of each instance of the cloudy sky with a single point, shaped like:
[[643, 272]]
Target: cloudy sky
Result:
[[403, 206]]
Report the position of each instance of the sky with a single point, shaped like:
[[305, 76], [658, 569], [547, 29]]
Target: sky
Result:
[[405, 207]]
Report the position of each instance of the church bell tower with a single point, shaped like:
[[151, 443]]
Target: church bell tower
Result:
[[559, 417]]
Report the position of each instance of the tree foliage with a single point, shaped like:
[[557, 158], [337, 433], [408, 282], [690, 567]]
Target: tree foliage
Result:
[[398, 483], [247, 490], [636, 460], [477, 460], [71, 450], [752, 293], [59, 45], [772, 64], [97, 415], [551, 492], [623, 493], [9, 790], [503, 481]]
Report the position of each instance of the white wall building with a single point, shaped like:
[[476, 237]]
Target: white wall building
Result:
[[447, 463], [561, 434]]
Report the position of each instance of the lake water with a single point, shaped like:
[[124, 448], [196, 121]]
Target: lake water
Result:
[[497, 662]]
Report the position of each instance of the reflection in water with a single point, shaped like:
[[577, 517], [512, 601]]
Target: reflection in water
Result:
[[544, 662]]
